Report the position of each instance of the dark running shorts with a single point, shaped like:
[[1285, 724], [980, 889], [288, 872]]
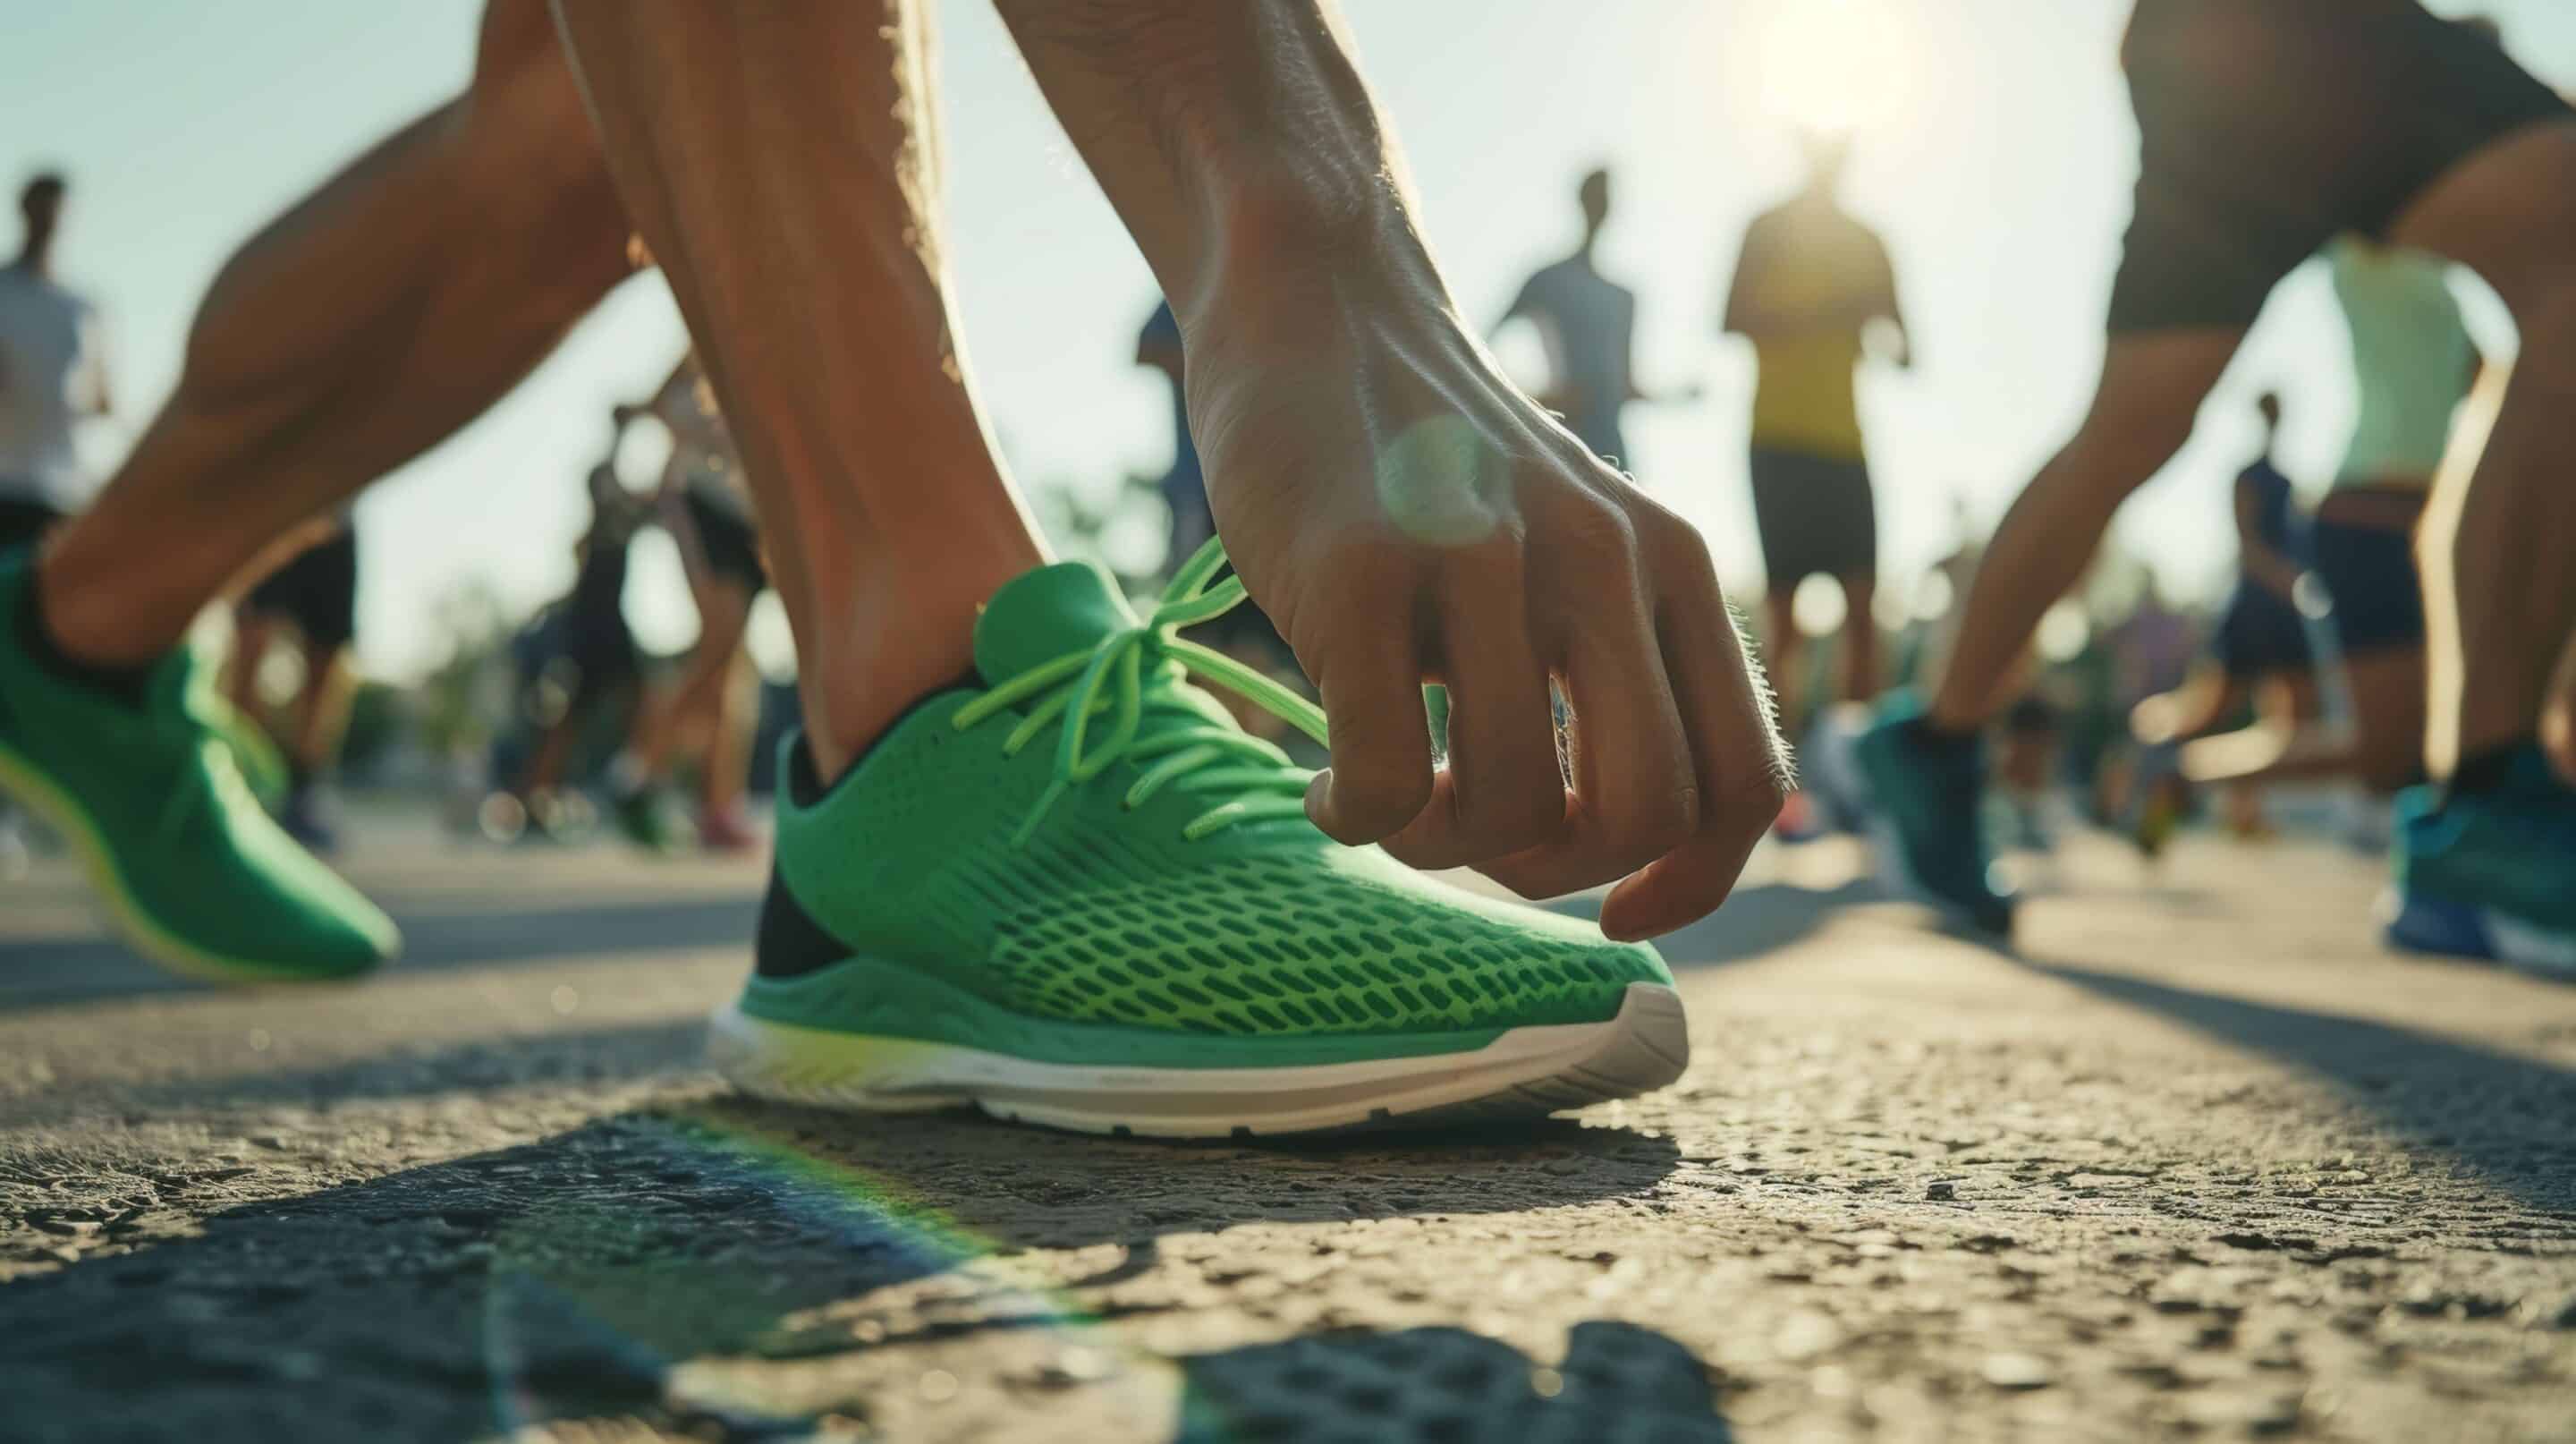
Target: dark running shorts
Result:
[[602, 654], [2031, 717], [2370, 574], [317, 590], [22, 521], [1816, 516], [2259, 633], [732, 547], [2267, 127]]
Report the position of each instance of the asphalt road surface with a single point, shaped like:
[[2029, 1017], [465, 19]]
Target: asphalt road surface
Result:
[[2195, 1161]]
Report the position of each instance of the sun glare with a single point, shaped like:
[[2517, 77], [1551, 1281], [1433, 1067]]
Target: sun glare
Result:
[[1833, 66]]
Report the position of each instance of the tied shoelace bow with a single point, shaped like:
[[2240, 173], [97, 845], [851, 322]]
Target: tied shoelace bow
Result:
[[1110, 676]]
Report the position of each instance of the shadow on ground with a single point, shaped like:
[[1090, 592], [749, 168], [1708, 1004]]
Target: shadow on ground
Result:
[[60, 971], [674, 1047], [2511, 1118], [563, 1279], [1618, 1382]]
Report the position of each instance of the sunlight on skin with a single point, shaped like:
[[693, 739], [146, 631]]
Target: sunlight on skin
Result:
[[1439, 481]]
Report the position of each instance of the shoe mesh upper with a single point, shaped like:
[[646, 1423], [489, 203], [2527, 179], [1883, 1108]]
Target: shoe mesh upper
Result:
[[1290, 942]]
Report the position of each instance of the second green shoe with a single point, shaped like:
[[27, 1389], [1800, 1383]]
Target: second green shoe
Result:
[[188, 863], [1075, 893]]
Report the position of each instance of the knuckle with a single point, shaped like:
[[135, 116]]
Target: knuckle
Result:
[[1594, 533], [1755, 801], [1387, 797]]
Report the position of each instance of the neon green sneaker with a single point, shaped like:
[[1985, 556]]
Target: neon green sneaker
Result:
[[1079, 895], [190, 866]]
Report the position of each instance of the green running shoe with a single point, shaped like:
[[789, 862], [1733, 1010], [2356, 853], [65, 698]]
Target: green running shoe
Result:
[[644, 819], [190, 866], [262, 765], [1078, 895]]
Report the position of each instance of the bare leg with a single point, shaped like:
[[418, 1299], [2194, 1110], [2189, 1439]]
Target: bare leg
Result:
[[252, 636], [805, 136], [2143, 408], [546, 764], [2285, 708], [2558, 718], [2384, 751], [698, 697], [382, 313], [721, 771], [2204, 700], [1860, 638], [2500, 598], [322, 710]]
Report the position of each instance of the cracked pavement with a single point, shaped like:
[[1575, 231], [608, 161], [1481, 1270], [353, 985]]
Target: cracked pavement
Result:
[[2195, 1161]]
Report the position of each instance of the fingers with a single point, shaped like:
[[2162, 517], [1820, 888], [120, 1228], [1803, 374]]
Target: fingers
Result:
[[1736, 753], [1371, 683], [1636, 793], [1502, 791]]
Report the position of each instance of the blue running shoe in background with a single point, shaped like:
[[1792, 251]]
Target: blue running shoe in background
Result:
[[1920, 797], [2490, 874]]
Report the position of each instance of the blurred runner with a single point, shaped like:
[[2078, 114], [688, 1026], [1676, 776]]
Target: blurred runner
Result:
[[2266, 129], [1813, 287], [53, 375], [596, 667], [1588, 325], [311, 603], [1014, 834], [706, 506], [2259, 657], [2413, 364]]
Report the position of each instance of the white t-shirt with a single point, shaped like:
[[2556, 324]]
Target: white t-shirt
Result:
[[51, 375]]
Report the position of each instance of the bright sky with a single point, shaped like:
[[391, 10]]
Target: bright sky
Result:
[[1995, 155]]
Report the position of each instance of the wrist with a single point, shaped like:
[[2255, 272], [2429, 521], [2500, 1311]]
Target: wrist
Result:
[[1292, 234]]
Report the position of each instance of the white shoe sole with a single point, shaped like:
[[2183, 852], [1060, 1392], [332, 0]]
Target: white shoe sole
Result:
[[1525, 1073]]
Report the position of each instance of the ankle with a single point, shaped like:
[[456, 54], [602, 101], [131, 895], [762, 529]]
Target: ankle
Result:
[[108, 619], [848, 707], [856, 682], [39, 635]]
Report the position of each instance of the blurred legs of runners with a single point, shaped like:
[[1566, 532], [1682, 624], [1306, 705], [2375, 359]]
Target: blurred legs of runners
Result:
[[310, 602], [2439, 143]]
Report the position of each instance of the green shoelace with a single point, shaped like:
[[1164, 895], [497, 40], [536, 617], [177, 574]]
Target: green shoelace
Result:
[[1210, 754]]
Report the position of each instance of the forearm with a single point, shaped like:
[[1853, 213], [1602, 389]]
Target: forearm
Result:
[[1232, 138]]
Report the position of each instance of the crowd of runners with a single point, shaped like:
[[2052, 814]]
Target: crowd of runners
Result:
[[1040, 851]]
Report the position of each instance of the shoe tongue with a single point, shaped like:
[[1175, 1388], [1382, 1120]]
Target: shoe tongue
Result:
[[1040, 615]]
